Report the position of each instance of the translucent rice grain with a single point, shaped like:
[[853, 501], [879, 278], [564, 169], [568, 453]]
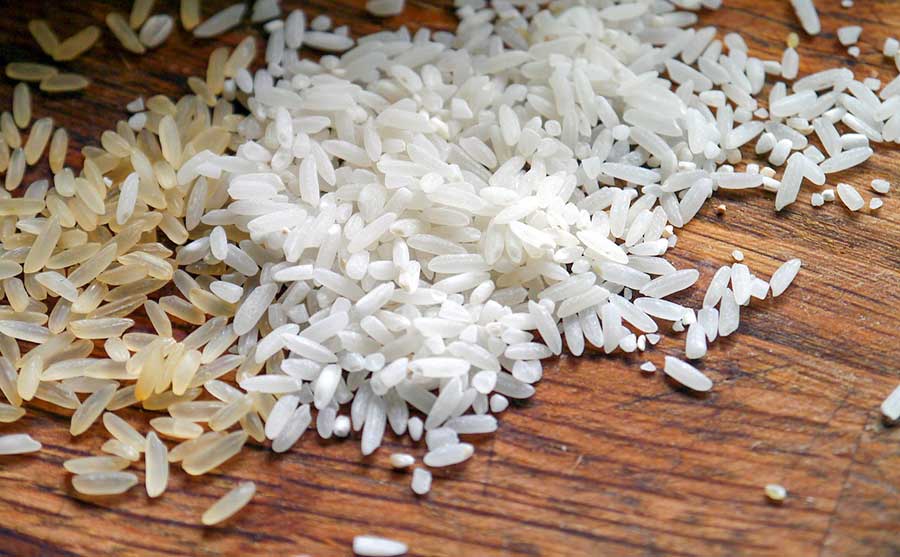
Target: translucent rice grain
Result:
[[669, 284], [229, 504], [57, 285], [218, 23], [30, 378], [37, 140], [18, 443], [254, 306], [783, 276], [182, 309], [24, 331], [96, 464], [91, 409], [11, 134], [104, 483], [59, 146], [43, 35], [43, 246], [64, 82], [22, 105], [156, 466], [10, 414], [100, 328], [662, 309], [190, 14], [729, 313], [206, 458], [241, 57], [293, 430], [140, 10], [77, 44], [280, 415], [122, 31], [4, 155], [156, 30], [16, 170], [741, 283]]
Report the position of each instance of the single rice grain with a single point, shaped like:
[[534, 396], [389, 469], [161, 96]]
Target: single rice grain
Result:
[[229, 504]]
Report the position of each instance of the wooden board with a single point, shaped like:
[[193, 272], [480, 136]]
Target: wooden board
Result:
[[604, 460]]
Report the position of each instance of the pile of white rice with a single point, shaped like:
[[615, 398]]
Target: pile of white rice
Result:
[[396, 235]]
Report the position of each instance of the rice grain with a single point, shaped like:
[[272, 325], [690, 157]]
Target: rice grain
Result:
[[687, 375], [21, 105], [43, 35], [104, 483], [64, 83], [373, 546], [77, 44], [18, 443], [229, 504], [220, 22], [124, 33]]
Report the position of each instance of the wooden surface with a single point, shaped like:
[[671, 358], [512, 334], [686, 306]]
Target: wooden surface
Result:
[[605, 459]]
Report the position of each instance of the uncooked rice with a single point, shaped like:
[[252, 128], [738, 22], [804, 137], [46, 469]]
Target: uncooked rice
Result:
[[104, 483], [393, 237], [28, 71], [64, 83], [156, 29], [18, 443], [220, 22], [384, 8], [77, 44], [808, 16], [775, 493], [124, 33], [43, 35], [22, 105], [140, 11], [374, 546]]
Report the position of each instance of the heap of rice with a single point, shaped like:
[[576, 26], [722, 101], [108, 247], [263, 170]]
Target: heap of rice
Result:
[[396, 235]]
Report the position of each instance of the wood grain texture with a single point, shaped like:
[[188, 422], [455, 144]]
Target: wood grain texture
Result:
[[605, 460]]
